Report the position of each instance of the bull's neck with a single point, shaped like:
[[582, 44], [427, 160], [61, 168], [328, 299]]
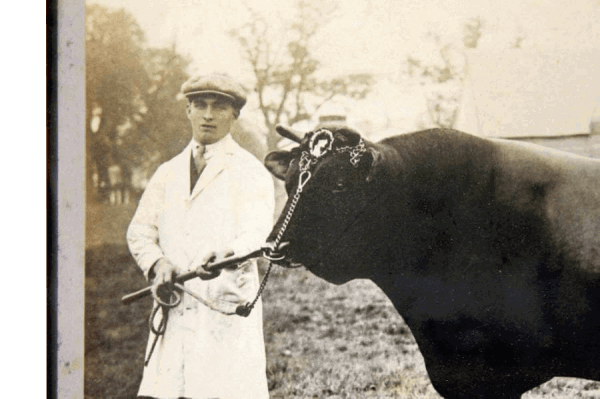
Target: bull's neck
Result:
[[431, 177]]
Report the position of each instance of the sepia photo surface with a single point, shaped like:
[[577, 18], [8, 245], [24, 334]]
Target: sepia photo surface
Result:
[[522, 71]]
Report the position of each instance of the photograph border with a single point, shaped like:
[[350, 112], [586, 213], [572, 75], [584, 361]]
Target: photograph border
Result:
[[68, 278]]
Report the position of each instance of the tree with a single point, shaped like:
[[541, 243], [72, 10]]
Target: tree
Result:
[[162, 128], [114, 77], [132, 117], [286, 84], [444, 74]]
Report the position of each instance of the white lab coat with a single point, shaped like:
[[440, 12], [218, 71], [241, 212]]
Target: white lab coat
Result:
[[206, 353]]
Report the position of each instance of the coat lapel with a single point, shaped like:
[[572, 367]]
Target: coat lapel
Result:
[[214, 167], [181, 176]]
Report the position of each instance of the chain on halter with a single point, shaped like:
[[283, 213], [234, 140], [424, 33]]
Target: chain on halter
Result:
[[320, 144], [244, 310], [356, 152], [304, 177]]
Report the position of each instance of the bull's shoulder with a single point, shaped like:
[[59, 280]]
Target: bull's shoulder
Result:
[[444, 147], [434, 137], [436, 159]]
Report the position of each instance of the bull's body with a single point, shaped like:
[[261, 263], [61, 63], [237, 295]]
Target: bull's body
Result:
[[489, 249]]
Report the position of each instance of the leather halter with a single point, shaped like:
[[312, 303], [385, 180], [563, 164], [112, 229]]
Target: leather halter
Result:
[[319, 145]]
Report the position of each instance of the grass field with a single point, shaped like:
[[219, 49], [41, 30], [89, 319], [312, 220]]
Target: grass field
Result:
[[322, 341]]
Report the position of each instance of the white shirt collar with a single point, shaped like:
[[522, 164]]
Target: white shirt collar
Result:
[[211, 150]]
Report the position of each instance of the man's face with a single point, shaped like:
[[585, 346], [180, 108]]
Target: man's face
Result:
[[211, 117]]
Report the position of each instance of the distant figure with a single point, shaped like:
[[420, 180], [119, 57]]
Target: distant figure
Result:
[[115, 182], [210, 202], [119, 181]]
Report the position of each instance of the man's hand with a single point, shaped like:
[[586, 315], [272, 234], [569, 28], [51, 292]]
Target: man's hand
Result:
[[164, 272], [204, 272]]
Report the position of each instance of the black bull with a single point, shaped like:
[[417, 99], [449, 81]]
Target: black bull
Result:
[[489, 249]]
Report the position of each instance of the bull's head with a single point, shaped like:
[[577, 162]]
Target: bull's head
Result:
[[327, 178]]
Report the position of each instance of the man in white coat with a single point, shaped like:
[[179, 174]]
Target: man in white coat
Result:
[[180, 225]]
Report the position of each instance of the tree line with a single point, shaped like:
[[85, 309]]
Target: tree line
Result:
[[132, 117]]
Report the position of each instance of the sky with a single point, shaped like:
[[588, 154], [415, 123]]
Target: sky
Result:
[[373, 36], [368, 34]]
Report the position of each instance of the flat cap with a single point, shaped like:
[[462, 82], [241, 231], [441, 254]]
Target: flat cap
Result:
[[215, 84]]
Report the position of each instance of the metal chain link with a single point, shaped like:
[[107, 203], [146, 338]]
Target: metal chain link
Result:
[[244, 310], [287, 219], [355, 152], [304, 164]]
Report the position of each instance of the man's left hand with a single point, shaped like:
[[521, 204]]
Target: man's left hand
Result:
[[203, 271]]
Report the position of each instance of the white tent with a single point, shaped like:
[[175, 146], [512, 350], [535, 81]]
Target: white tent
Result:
[[519, 93]]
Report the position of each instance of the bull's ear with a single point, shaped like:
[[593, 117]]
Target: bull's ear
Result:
[[375, 164], [278, 162]]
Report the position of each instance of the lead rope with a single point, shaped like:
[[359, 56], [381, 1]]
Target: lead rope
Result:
[[162, 326]]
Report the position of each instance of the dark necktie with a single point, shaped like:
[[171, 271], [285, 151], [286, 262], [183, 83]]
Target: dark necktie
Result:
[[197, 164]]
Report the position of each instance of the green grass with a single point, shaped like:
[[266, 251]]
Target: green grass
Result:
[[322, 341], [337, 341]]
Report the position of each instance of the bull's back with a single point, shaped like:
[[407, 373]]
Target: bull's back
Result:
[[565, 189]]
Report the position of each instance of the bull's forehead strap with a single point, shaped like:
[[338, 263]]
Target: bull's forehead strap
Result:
[[322, 142]]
